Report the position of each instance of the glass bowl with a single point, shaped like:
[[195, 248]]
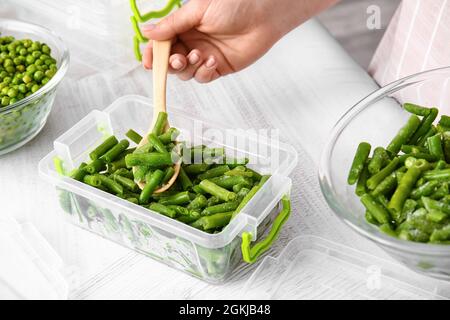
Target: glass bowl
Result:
[[22, 121], [376, 119]]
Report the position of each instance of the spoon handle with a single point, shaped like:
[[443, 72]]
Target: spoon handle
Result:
[[161, 52]]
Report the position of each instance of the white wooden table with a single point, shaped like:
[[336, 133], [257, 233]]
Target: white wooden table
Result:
[[301, 87]]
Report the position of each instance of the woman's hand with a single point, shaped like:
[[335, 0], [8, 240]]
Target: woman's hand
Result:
[[212, 38]]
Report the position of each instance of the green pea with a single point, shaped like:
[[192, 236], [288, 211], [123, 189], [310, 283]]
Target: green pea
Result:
[[5, 101], [23, 52], [22, 88], [12, 93], [13, 100], [30, 59], [38, 62], [35, 88], [8, 63], [45, 81], [49, 73], [38, 75], [27, 79], [46, 49], [36, 54]]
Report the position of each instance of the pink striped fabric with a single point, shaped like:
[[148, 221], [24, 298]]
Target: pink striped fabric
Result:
[[417, 39]]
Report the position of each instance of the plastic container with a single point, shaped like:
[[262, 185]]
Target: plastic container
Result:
[[211, 257], [314, 268], [22, 121], [376, 119], [99, 34]]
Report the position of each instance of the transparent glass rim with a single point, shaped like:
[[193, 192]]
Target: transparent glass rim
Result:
[[325, 167], [64, 65]]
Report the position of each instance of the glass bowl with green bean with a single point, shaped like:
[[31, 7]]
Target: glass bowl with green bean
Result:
[[33, 61], [386, 170]]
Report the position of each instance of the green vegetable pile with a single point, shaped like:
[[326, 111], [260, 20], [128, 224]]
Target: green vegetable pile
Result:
[[209, 190], [25, 67], [405, 186]]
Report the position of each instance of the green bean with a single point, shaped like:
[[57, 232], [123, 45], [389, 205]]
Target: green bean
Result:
[[379, 158], [124, 172], [359, 160], [240, 195], [404, 135], [264, 179], [441, 175], [436, 216], [386, 186], [140, 172], [237, 187], [376, 210], [408, 208], [370, 219], [373, 181], [387, 229], [179, 210], [431, 204], [103, 148], [128, 184], [114, 153], [156, 143], [214, 221], [186, 183], [217, 191], [424, 126], [446, 145], [95, 166], [435, 146], [239, 171], [212, 201], [440, 165], [79, 173], [198, 190], [424, 156], [169, 136], [223, 207], [160, 123], [444, 121], [406, 148], [116, 165], [441, 192], [424, 190], [361, 188], [153, 159], [228, 182], [176, 199], [399, 175], [160, 208], [198, 203], [214, 172], [153, 180], [196, 168], [93, 181], [133, 136], [110, 184], [403, 191], [168, 173], [424, 138], [416, 109], [191, 217], [440, 234], [234, 162], [246, 199]]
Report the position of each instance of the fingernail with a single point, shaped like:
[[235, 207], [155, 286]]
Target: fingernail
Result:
[[149, 27], [210, 62], [194, 58], [177, 64]]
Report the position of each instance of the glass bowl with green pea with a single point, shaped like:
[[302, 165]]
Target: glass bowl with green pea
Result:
[[377, 120], [33, 61]]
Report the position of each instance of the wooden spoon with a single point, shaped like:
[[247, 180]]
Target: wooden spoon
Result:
[[161, 52]]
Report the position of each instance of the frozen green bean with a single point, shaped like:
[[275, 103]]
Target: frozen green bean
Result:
[[359, 160], [103, 148]]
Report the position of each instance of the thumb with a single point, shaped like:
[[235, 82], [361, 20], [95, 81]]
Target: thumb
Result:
[[182, 20]]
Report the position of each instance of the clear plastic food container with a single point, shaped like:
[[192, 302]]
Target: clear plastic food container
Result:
[[211, 257], [315, 268]]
